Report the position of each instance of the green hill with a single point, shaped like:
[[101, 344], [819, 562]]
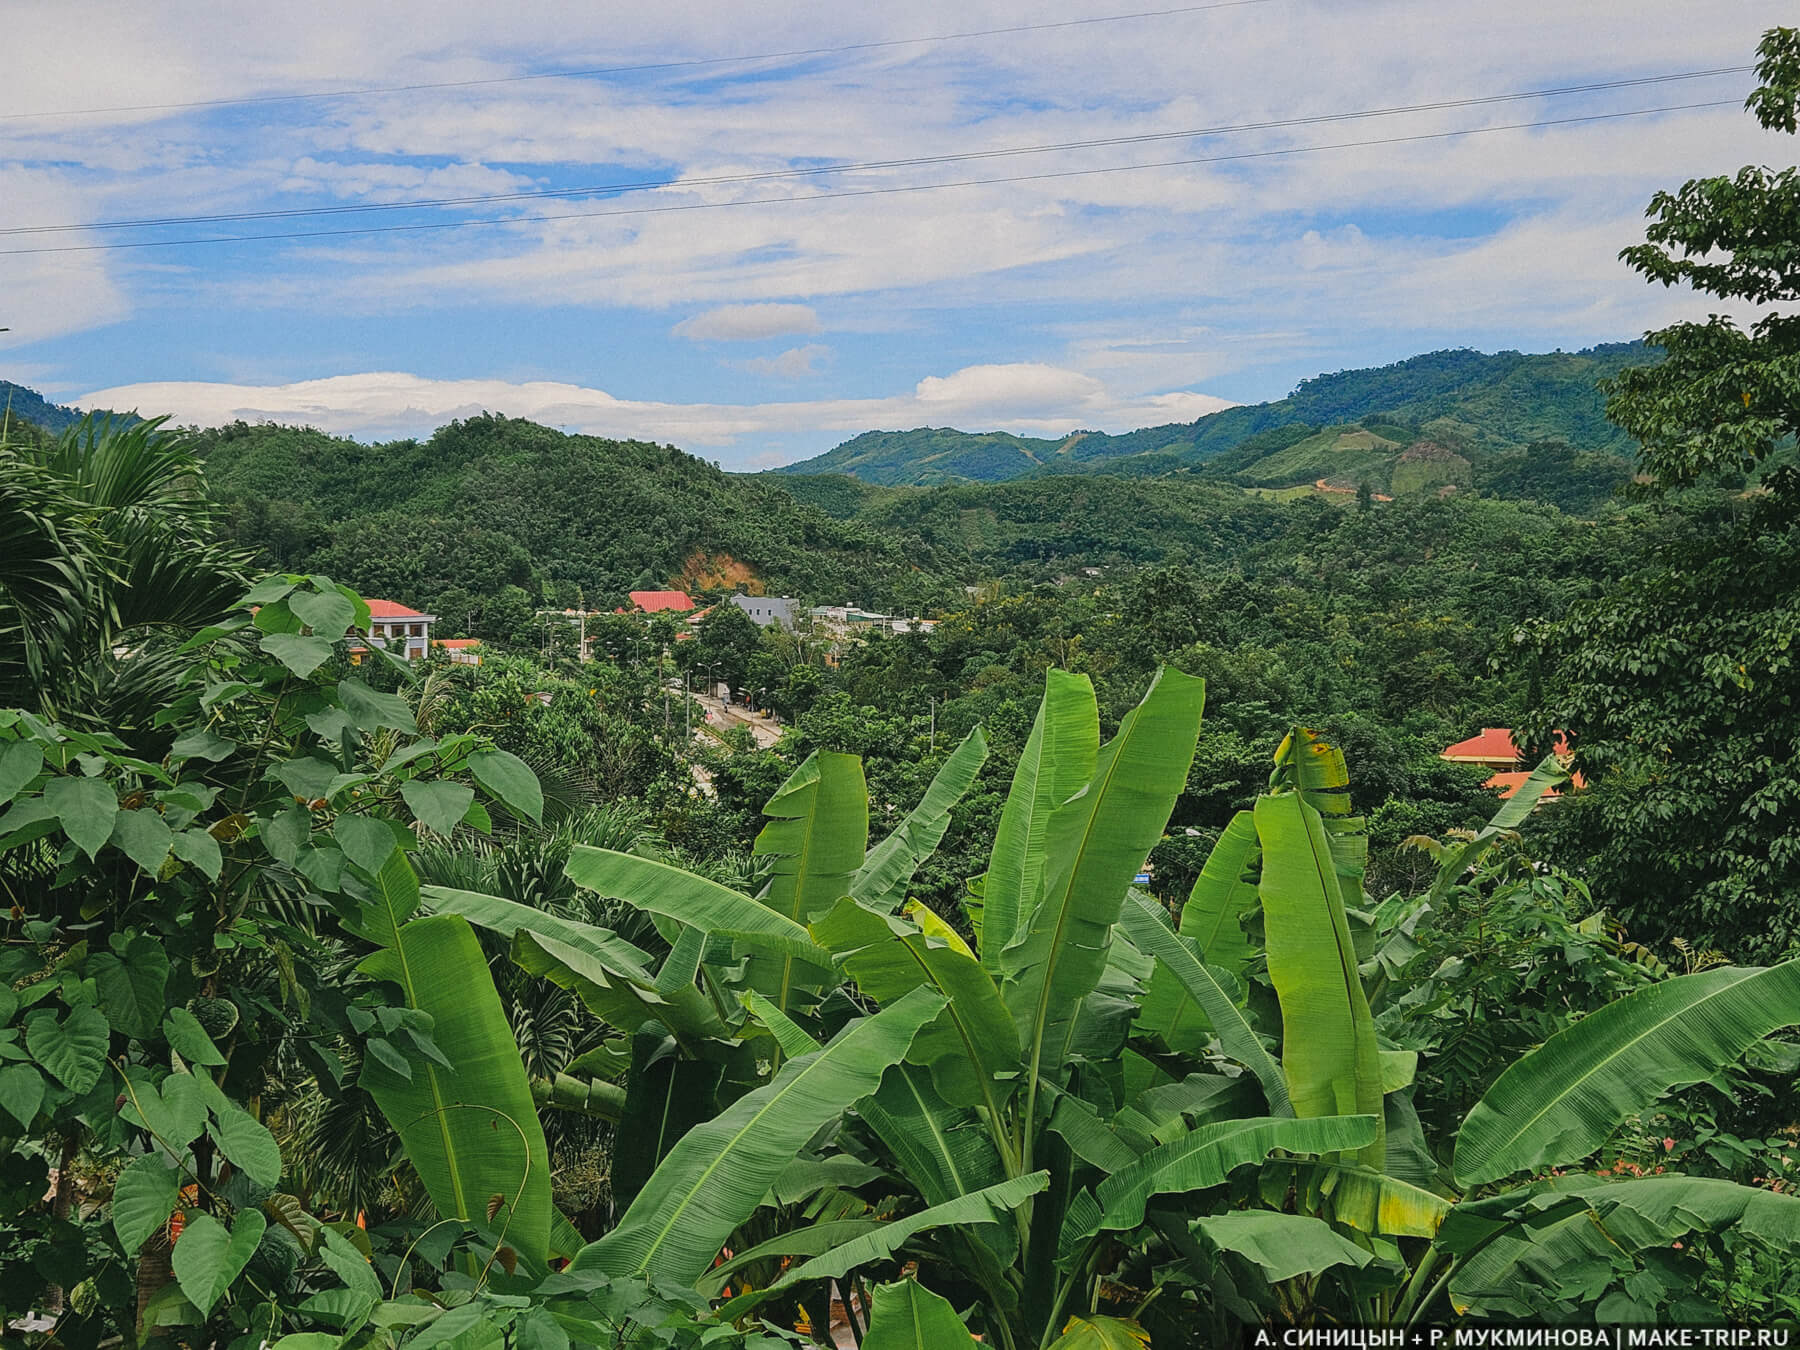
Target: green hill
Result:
[[27, 405], [1488, 404], [495, 515]]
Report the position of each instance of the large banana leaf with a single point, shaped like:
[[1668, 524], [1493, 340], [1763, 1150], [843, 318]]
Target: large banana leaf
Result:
[[942, 1150], [972, 1048], [1459, 858], [1519, 1238], [666, 1095], [1317, 772], [1328, 1045], [657, 888], [1094, 845], [888, 869], [908, 1316], [610, 975], [817, 832], [1058, 758], [718, 1173], [470, 1130], [507, 917], [1209, 1154], [1224, 891], [1372, 1202], [1559, 1102], [1283, 1245], [877, 1244], [1179, 960]]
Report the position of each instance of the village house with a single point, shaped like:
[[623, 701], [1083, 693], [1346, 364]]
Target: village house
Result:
[[1494, 749], [404, 632]]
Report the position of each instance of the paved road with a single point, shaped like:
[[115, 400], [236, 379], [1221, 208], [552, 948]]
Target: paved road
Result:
[[720, 718]]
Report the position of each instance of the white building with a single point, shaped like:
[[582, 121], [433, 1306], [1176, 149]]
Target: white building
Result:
[[404, 632]]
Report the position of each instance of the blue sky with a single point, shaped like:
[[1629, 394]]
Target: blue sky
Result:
[[758, 320]]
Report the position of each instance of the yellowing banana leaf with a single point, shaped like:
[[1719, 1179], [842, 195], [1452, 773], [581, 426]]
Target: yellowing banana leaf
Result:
[[1316, 771], [1328, 1045], [1558, 1103], [1058, 758], [1094, 845], [1101, 1333], [1372, 1202], [718, 1173], [470, 1130], [889, 866]]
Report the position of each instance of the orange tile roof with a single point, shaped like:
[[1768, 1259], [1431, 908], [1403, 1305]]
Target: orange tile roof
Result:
[[653, 602], [1495, 746], [387, 609], [456, 644], [1512, 782]]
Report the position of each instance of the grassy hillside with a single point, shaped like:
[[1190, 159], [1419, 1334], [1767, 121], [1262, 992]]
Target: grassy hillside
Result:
[[932, 455], [1486, 403]]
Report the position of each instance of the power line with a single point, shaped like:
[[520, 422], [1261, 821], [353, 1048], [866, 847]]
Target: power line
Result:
[[684, 64], [868, 192], [1361, 114]]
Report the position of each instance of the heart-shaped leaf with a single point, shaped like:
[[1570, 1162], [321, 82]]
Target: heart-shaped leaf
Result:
[[439, 806], [208, 1257], [143, 1198], [131, 986], [251, 1148], [73, 1049], [86, 807], [189, 1039], [21, 1092], [366, 842], [302, 655], [20, 762], [510, 779], [328, 615]]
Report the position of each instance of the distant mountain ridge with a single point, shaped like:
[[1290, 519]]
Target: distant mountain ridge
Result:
[[1465, 400], [27, 405]]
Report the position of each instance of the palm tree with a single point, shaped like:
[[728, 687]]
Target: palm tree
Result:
[[107, 547]]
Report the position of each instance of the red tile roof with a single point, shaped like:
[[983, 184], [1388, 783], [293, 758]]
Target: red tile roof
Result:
[[1512, 782], [387, 609], [653, 602], [1495, 746]]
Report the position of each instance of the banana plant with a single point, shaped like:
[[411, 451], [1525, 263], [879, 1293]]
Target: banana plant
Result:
[[1485, 1232], [995, 1084]]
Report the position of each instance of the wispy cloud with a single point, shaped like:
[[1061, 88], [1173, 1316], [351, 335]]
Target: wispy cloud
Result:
[[747, 323]]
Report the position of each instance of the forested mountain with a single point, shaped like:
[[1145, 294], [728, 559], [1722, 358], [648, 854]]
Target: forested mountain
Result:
[[1475, 405], [492, 517], [27, 405]]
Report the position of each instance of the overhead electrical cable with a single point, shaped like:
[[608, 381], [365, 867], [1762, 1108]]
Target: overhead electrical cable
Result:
[[865, 166], [683, 64], [421, 226]]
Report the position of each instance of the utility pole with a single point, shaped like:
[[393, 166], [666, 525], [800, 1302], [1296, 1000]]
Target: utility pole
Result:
[[687, 710], [934, 724]]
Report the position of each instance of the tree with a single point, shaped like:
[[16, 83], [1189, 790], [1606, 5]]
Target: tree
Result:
[[1681, 687], [729, 639]]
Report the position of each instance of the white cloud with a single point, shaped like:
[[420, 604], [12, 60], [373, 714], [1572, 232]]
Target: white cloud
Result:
[[747, 323], [1026, 398], [793, 364]]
